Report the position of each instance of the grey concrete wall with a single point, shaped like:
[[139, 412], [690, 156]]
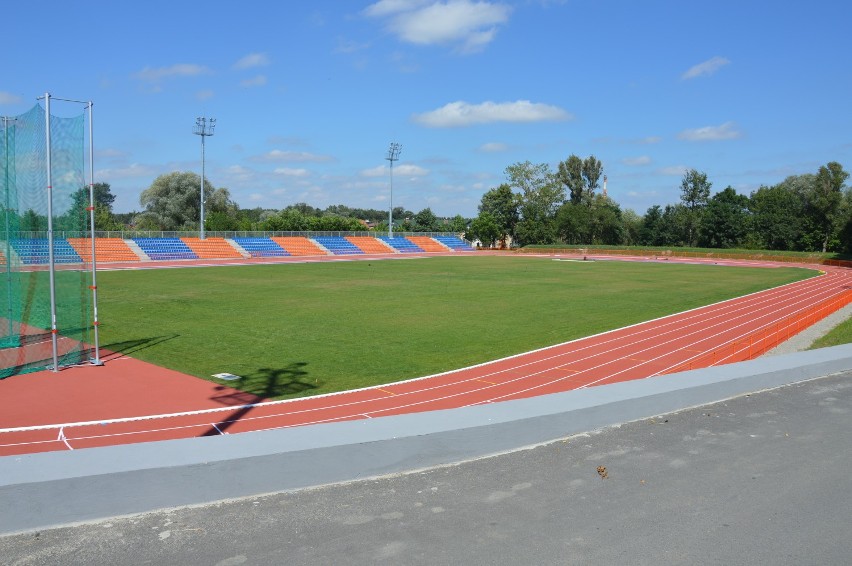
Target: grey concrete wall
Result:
[[43, 490]]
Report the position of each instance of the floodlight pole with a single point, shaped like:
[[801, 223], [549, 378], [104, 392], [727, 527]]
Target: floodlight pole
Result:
[[393, 155], [203, 127]]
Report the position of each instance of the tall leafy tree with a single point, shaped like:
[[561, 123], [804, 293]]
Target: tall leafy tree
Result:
[[776, 218], [725, 221], [484, 228], [172, 201], [581, 177], [541, 195], [570, 174], [503, 206], [694, 194], [825, 198]]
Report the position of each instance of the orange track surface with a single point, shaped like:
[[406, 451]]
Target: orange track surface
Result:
[[47, 411]]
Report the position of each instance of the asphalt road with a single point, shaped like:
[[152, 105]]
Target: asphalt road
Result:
[[760, 479]]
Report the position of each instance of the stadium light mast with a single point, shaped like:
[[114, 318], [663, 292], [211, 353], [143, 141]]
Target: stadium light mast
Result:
[[203, 127], [393, 155]]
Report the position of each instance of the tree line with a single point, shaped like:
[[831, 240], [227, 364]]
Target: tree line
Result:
[[536, 205]]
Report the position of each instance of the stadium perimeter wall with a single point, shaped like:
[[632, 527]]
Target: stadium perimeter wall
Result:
[[45, 490]]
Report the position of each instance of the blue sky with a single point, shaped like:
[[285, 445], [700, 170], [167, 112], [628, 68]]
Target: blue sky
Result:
[[308, 96]]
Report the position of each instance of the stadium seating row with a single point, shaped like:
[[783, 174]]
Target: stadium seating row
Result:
[[33, 251]]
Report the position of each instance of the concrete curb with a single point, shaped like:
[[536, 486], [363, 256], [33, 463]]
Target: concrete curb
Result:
[[47, 490]]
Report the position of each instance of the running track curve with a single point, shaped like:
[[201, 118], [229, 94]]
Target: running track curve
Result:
[[721, 333]]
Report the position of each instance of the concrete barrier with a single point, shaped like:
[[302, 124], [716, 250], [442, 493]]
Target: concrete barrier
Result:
[[39, 491]]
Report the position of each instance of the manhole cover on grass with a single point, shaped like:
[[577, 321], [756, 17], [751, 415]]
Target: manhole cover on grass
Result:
[[226, 376]]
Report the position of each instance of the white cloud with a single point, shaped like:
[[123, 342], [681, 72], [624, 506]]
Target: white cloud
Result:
[[493, 147], [288, 172], [706, 68], [203, 95], [252, 60], [469, 25], [650, 140], [677, 170], [461, 113], [278, 156], [259, 80], [180, 70], [726, 131], [411, 170], [379, 171], [134, 170], [636, 161], [9, 98], [406, 170]]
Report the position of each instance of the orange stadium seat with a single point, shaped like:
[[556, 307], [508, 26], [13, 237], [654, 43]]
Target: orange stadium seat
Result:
[[212, 248], [106, 249], [298, 245]]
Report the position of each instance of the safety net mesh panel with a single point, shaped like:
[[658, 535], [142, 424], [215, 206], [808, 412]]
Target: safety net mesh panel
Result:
[[30, 197]]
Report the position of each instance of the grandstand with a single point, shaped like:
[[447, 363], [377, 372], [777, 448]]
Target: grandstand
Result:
[[427, 244], [298, 245], [212, 248], [370, 245], [454, 243], [165, 248], [34, 251], [401, 244], [338, 245], [106, 249], [260, 247]]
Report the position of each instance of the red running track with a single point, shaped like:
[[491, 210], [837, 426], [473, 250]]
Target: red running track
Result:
[[730, 331]]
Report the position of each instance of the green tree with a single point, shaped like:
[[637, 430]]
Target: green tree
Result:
[[541, 195], [650, 232], [457, 224], [172, 201], [425, 221], [725, 221], [484, 228], [632, 227], [825, 198], [694, 194], [581, 177], [503, 205], [776, 218], [570, 174]]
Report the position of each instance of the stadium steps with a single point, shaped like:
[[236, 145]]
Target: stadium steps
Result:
[[212, 248], [370, 245], [260, 247], [401, 244], [164, 249], [106, 249], [299, 245], [134, 247], [428, 244]]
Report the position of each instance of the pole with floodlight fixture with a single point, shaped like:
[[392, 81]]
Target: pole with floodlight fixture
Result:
[[203, 127], [393, 155]]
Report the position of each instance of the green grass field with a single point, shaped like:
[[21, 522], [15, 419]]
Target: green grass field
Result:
[[302, 329]]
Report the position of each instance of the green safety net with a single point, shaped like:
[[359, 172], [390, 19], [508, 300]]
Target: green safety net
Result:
[[26, 320]]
